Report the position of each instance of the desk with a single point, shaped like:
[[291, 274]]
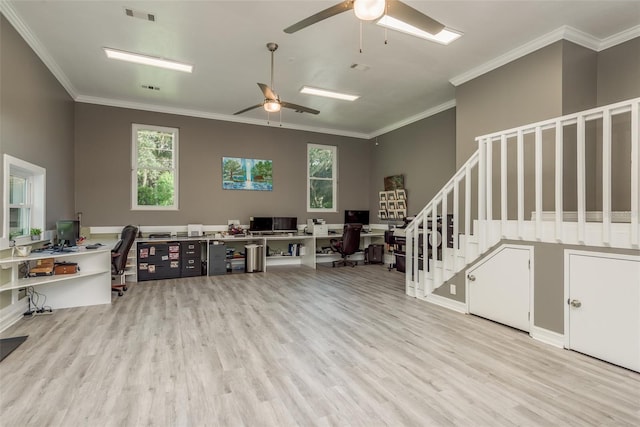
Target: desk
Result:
[[89, 286], [277, 246]]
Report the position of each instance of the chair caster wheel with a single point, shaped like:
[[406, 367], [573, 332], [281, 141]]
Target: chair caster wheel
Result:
[[120, 293], [125, 288]]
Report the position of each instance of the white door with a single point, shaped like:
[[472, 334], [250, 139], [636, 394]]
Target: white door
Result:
[[603, 306], [499, 287]]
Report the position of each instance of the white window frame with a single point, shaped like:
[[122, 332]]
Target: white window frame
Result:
[[36, 177], [334, 178], [135, 127]]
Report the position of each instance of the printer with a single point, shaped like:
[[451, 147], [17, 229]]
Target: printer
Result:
[[317, 227]]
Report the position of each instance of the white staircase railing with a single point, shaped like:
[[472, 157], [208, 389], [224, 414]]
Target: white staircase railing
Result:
[[586, 164]]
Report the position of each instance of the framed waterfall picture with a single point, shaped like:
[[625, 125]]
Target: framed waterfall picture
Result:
[[247, 174]]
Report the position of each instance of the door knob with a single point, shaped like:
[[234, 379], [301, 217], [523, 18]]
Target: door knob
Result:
[[471, 277], [575, 303]]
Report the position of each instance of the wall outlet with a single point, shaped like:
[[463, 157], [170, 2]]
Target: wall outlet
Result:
[[452, 289]]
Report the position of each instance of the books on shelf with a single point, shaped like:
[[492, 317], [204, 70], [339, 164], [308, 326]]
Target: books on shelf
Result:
[[296, 249]]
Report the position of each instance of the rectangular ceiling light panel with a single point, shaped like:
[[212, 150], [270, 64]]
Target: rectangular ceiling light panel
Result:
[[147, 60], [327, 93], [445, 36]]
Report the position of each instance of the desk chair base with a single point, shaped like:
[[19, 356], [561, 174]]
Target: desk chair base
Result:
[[119, 287], [345, 262]]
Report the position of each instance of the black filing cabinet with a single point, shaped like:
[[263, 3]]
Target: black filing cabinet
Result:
[[158, 260], [217, 259], [190, 259]]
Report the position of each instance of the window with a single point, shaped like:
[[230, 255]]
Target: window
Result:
[[24, 200], [322, 182], [154, 175]]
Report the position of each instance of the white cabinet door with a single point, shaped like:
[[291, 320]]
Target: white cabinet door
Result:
[[603, 307], [499, 287]]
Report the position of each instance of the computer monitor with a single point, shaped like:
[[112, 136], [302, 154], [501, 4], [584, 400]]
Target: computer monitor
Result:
[[352, 216], [285, 223], [260, 224], [68, 232]]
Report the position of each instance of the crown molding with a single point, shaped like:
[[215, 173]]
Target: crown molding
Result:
[[34, 43], [428, 113], [563, 33], [621, 37], [213, 116]]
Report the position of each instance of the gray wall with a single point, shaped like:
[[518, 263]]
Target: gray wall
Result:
[[424, 152], [103, 169], [524, 91], [619, 72], [36, 124]]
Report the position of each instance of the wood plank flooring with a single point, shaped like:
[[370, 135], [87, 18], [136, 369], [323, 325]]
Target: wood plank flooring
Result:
[[297, 346]]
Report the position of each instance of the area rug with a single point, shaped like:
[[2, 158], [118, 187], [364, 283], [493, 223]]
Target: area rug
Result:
[[7, 345]]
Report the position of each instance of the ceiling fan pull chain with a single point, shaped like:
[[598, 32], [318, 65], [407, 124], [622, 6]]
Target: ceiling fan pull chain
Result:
[[360, 36], [386, 12]]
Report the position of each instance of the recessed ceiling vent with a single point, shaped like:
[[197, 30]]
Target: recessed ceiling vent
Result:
[[360, 67], [140, 14], [151, 87]]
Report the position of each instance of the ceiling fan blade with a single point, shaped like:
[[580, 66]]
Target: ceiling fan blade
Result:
[[327, 13], [247, 109], [299, 108], [405, 13], [268, 93]]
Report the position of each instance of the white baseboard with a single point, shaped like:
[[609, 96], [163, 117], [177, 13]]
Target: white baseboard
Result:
[[546, 336], [11, 314], [454, 305]]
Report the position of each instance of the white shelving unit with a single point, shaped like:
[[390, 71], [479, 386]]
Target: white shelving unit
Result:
[[131, 271], [91, 285], [306, 258]]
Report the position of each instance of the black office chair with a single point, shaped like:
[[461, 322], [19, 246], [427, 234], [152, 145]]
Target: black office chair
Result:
[[119, 255], [348, 245]]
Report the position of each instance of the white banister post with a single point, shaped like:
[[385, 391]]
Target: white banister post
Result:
[[581, 177], [503, 186], [456, 213], [559, 208], [408, 258], [445, 232], [538, 181], [606, 177], [415, 264], [467, 213], [635, 173], [482, 181], [520, 181], [489, 192], [434, 251]]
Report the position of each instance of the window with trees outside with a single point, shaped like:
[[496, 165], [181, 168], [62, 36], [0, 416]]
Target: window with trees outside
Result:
[[322, 178], [155, 168], [24, 200]]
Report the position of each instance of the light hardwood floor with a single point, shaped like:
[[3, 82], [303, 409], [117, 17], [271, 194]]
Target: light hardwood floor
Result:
[[297, 346]]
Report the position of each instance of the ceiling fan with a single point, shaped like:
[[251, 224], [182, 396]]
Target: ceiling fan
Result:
[[369, 10], [272, 102]]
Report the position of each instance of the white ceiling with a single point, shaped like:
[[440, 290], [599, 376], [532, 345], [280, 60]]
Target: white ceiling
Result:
[[407, 79]]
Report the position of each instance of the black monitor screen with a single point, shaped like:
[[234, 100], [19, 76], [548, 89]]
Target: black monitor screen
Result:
[[261, 223], [356, 217], [68, 231], [285, 223]]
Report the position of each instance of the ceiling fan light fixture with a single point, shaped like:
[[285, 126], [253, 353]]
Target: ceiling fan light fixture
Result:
[[328, 93], [444, 37], [271, 106], [368, 10], [147, 60]]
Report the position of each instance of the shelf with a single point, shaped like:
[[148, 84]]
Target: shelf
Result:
[[46, 280]]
